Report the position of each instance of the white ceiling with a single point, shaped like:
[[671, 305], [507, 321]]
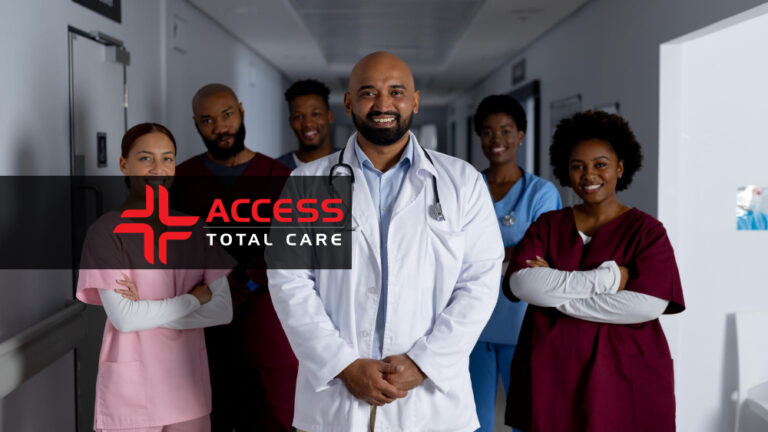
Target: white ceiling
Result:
[[450, 44]]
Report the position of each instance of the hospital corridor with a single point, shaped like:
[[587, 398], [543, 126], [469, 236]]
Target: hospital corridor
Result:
[[402, 216]]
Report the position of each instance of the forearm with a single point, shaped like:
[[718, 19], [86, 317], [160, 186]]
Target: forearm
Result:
[[129, 315], [547, 287], [216, 312], [624, 307]]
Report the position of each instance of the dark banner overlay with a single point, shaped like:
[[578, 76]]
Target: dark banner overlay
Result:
[[176, 222]]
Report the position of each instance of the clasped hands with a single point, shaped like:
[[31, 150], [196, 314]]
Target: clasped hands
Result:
[[380, 382]]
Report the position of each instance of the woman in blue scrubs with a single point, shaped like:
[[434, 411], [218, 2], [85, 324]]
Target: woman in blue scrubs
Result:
[[519, 198]]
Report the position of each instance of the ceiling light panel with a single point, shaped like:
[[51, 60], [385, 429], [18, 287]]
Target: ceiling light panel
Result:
[[419, 31]]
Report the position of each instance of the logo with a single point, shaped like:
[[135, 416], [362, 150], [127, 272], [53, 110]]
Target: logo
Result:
[[146, 229]]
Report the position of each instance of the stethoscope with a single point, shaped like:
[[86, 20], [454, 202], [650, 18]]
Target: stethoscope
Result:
[[509, 218], [435, 210]]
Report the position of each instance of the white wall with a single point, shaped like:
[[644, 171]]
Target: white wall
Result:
[[34, 139], [713, 112], [607, 51], [213, 55]]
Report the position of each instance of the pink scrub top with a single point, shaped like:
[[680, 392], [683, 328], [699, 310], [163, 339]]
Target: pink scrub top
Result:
[[152, 377]]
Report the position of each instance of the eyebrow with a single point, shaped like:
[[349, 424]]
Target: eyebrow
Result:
[[398, 86], [503, 125], [208, 115], [594, 159], [149, 152]]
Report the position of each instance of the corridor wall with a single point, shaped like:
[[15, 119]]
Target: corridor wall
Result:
[[34, 140]]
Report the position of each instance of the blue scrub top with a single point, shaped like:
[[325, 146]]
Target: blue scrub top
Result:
[[539, 196], [752, 221]]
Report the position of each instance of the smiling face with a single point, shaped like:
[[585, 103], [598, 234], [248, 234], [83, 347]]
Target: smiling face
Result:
[[594, 169], [309, 120], [381, 98], [151, 160], [500, 139]]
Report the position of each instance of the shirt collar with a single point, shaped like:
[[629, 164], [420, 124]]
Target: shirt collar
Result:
[[405, 160]]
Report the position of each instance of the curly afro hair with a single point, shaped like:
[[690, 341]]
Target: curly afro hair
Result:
[[500, 104], [588, 125], [307, 87]]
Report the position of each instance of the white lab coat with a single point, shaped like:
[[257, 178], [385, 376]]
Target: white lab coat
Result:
[[443, 286]]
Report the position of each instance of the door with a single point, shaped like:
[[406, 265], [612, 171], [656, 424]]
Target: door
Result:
[[97, 122], [528, 154]]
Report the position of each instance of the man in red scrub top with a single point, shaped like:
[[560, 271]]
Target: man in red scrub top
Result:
[[253, 369]]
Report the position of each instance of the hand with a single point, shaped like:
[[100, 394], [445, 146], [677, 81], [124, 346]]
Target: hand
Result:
[[409, 375], [202, 293], [624, 277], [130, 292], [365, 379], [538, 262]]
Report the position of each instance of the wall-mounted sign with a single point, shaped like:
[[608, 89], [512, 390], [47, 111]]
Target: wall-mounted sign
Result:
[[108, 8], [611, 108], [562, 109], [518, 72]]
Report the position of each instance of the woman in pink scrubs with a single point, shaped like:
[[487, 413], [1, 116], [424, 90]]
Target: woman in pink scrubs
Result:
[[592, 356], [153, 368]]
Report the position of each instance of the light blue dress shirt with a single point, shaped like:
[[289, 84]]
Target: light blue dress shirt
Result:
[[384, 188]]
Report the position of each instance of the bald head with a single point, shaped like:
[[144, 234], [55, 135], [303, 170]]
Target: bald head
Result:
[[378, 64], [382, 99], [209, 90]]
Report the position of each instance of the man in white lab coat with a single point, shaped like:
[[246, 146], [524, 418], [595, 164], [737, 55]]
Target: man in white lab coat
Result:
[[385, 345]]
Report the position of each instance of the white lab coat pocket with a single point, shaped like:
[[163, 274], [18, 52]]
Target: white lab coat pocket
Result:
[[445, 253]]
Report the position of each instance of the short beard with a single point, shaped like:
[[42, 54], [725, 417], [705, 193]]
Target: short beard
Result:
[[309, 148], [378, 136], [218, 153]]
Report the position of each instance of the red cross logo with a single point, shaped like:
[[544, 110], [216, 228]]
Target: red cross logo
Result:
[[165, 219]]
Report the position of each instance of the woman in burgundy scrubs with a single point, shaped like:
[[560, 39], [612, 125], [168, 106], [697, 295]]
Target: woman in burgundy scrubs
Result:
[[592, 355]]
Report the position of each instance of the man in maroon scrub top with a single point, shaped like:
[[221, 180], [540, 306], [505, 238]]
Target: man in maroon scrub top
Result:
[[592, 356], [253, 369]]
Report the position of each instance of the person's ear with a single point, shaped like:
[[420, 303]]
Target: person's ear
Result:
[[123, 166], [620, 169], [348, 103], [330, 116], [416, 101]]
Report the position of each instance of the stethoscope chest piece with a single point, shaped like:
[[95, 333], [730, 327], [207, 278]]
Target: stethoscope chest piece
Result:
[[436, 211], [508, 219]]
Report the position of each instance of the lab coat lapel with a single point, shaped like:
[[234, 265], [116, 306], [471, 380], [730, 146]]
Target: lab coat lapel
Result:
[[363, 213], [415, 181]]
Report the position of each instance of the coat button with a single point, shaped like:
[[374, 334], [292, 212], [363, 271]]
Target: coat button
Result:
[[364, 334], [372, 290]]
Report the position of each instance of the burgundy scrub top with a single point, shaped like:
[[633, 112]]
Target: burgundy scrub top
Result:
[[574, 375]]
